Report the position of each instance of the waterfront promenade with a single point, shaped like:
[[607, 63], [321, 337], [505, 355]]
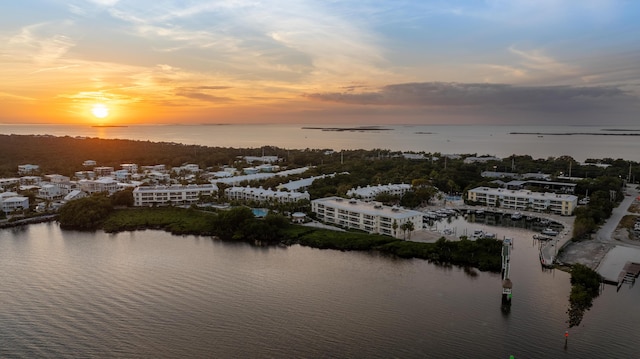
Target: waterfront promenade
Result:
[[623, 250]]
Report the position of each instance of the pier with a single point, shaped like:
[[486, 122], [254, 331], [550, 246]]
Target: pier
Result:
[[507, 285], [629, 273]]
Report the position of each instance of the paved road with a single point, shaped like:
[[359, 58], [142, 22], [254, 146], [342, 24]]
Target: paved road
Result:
[[605, 233]]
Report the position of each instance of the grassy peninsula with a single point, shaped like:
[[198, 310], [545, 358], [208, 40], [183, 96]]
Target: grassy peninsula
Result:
[[239, 224]]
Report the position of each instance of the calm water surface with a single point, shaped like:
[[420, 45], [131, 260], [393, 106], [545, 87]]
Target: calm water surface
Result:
[[148, 294], [487, 139]]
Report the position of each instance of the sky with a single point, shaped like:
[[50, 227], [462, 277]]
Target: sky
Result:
[[520, 62]]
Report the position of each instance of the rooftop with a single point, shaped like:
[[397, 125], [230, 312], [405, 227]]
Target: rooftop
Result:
[[370, 208]]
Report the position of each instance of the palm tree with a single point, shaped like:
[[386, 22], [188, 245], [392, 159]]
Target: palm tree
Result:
[[410, 227], [407, 227]]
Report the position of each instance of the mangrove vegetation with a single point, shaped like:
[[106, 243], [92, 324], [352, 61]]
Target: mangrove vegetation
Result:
[[585, 287]]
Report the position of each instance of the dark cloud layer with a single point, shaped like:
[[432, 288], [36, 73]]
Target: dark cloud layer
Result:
[[200, 93], [211, 87], [488, 96]]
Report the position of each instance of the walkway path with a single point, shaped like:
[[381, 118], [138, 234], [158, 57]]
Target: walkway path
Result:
[[592, 252], [605, 233]]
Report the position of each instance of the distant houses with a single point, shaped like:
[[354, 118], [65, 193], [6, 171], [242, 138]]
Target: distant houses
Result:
[[369, 193], [472, 159], [152, 184], [303, 184], [261, 159]]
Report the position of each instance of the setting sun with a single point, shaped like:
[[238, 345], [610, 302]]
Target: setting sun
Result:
[[100, 111]]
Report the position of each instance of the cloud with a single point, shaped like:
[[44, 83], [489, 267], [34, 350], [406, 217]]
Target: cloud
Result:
[[485, 96], [194, 93], [212, 87], [38, 44], [16, 97], [105, 2], [53, 69], [304, 40], [537, 60]]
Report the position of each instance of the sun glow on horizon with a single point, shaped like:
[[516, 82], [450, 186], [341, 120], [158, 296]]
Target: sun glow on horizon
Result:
[[100, 111]]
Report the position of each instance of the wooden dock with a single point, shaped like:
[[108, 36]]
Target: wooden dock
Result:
[[507, 285], [629, 273]]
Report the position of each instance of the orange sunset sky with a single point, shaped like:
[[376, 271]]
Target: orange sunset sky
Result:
[[367, 62]]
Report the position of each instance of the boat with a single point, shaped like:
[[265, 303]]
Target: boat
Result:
[[450, 211], [430, 215], [478, 233], [540, 237], [549, 232], [516, 216]]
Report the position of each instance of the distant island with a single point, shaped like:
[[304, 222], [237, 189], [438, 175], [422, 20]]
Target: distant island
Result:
[[574, 133], [619, 129], [350, 129]]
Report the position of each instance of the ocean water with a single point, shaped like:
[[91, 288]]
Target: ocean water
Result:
[[148, 294], [579, 142]]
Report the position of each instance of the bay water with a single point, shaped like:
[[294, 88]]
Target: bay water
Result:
[[148, 294], [579, 142]]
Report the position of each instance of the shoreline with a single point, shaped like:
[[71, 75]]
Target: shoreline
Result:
[[573, 134]]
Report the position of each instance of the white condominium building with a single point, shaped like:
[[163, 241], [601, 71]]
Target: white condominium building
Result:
[[105, 184], [51, 192], [131, 167], [480, 159], [264, 195], [28, 169], [156, 168], [187, 168], [56, 178], [369, 193], [8, 182], [103, 171], [171, 195], [10, 201], [563, 204], [85, 175], [263, 159], [366, 216]]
